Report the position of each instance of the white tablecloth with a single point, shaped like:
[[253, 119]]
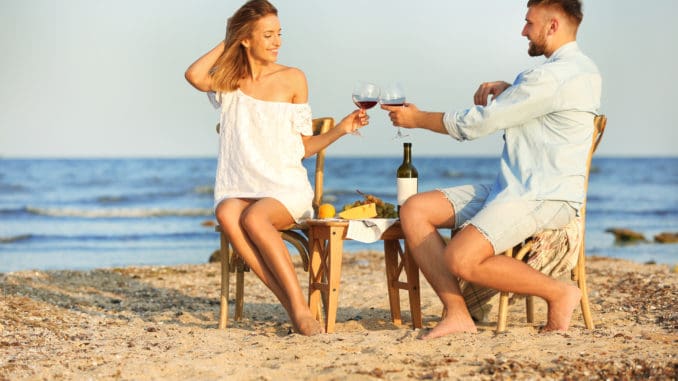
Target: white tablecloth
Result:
[[368, 230]]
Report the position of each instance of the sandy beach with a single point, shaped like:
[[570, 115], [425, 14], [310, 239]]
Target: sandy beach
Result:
[[148, 323]]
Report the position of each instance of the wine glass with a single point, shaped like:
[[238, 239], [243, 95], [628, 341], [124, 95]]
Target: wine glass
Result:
[[394, 95], [365, 96]]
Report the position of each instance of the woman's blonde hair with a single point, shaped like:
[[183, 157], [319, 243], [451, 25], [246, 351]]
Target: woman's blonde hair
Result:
[[232, 65]]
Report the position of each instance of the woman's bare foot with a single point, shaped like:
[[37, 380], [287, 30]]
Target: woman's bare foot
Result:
[[560, 310], [450, 325], [307, 326]]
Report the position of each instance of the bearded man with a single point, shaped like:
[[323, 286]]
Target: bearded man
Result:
[[546, 117]]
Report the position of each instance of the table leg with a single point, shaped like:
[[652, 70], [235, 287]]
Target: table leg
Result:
[[397, 262], [335, 251], [412, 271], [316, 270], [392, 274]]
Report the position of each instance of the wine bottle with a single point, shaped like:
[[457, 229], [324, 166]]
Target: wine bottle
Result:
[[407, 176]]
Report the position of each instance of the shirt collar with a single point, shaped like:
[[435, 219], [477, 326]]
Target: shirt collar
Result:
[[564, 51]]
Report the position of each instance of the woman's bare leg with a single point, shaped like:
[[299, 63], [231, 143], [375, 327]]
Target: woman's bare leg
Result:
[[262, 222], [229, 213]]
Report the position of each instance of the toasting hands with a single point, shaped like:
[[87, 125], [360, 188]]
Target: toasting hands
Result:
[[354, 121], [402, 116]]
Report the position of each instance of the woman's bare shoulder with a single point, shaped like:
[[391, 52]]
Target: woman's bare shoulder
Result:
[[295, 79], [290, 73]]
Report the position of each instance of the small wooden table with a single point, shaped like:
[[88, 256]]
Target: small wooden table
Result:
[[326, 251]]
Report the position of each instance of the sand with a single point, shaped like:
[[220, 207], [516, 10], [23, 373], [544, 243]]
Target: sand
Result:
[[153, 323]]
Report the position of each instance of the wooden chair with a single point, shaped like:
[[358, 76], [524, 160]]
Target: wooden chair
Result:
[[579, 271], [476, 297], [297, 235]]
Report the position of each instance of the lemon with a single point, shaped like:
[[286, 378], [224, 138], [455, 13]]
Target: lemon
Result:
[[326, 211]]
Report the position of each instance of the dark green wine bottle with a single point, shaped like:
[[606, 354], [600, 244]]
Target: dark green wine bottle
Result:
[[407, 176]]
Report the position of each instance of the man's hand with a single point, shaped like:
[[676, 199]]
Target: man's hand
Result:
[[489, 88], [402, 116]]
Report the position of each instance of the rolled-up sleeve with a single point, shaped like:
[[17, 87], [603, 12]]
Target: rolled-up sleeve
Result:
[[451, 126]]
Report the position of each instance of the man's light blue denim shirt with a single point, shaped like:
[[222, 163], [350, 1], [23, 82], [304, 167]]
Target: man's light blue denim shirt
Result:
[[547, 119]]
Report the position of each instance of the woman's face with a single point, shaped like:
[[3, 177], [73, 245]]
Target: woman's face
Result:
[[265, 40]]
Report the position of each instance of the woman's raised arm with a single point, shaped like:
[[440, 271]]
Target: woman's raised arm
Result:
[[198, 73]]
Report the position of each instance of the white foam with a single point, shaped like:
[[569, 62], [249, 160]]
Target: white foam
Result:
[[119, 212]]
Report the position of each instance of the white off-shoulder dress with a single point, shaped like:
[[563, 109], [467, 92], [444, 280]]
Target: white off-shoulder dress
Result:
[[260, 151]]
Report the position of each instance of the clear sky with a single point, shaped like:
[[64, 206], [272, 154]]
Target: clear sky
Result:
[[102, 78]]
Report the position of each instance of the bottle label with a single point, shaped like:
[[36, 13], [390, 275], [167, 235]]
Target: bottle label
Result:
[[406, 188]]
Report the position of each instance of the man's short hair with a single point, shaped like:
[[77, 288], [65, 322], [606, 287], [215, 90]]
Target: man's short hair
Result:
[[572, 8]]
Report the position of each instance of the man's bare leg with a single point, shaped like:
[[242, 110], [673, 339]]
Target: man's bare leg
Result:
[[420, 217], [470, 256]]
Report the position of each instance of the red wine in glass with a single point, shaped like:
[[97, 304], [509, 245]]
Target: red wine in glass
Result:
[[396, 102], [365, 103], [365, 95], [394, 95]]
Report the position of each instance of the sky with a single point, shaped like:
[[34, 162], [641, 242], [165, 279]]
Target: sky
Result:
[[102, 78]]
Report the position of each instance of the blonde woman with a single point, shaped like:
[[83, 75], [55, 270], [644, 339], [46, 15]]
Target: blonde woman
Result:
[[261, 185]]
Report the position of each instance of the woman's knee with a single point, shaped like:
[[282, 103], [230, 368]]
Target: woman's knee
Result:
[[255, 219], [228, 214]]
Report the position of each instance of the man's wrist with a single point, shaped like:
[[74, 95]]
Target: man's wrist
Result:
[[431, 121]]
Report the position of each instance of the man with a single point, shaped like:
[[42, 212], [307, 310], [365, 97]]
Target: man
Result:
[[546, 116]]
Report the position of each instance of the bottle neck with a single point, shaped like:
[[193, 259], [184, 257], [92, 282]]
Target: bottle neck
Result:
[[407, 153]]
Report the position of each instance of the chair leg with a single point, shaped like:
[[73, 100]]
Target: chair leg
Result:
[[502, 316], [503, 312], [239, 289], [225, 278], [585, 308], [529, 308]]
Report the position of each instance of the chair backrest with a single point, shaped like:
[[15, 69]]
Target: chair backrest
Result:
[[599, 123], [320, 126]]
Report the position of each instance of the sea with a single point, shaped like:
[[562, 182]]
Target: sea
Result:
[[81, 214]]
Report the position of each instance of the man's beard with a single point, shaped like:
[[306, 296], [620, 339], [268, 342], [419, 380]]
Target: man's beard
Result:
[[537, 46]]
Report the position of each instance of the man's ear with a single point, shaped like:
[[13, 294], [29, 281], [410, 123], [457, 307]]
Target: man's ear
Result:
[[554, 25]]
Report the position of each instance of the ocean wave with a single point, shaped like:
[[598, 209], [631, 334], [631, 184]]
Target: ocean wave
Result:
[[150, 196], [11, 211], [123, 237], [119, 212], [15, 238], [204, 189], [626, 213]]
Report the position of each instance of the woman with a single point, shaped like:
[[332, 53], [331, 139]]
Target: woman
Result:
[[261, 185]]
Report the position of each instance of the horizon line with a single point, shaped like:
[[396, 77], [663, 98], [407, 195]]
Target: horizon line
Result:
[[342, 156]]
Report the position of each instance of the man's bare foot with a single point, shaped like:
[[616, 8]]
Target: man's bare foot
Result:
[[450, 325], [308, 326], [560, 310]]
